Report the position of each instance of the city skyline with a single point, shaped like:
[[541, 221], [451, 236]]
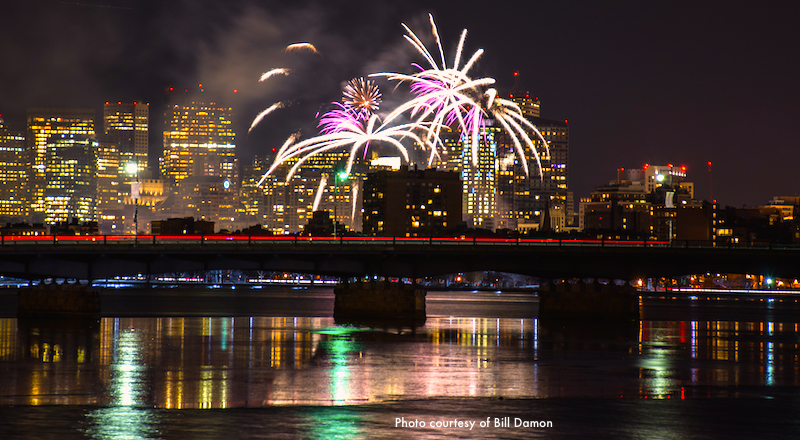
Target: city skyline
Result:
[[638, 83]]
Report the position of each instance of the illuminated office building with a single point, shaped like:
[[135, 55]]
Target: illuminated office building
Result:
[[197, 137], [71, 175], [211, 199], [13, 176], [110, 190], [497, 193], [199, 158], [288, 206], [127, 126], [528, 104], [529, 201], [654, 201], [479, 182], [251, 194], [478, 204], [45, 124], [409, 203]]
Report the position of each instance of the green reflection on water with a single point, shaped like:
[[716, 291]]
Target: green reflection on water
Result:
[[334, 423], [340, 347], [123, 423], [125, 418]]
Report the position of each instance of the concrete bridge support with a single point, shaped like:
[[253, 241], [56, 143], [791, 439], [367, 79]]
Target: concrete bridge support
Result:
[[592, 301], [379, 303]]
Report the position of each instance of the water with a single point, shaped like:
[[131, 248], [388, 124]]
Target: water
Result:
[[274, 364]]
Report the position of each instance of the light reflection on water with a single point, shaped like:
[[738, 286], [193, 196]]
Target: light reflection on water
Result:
[[216, 362], [124, 368]]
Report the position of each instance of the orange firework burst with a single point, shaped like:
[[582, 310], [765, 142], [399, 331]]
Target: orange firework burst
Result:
[[363, 96], [301, 46]]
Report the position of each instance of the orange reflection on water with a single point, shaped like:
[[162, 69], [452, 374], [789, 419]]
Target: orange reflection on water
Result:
[[730, 353], [219, 362]]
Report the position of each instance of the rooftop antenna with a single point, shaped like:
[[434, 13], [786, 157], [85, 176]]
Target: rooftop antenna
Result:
[[710, 185]]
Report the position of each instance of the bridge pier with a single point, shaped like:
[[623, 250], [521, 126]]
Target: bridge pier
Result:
[[592, 301], [379, 303], [58, 300]]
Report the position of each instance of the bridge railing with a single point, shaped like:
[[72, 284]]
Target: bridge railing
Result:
[[112, 240], [267, 240]]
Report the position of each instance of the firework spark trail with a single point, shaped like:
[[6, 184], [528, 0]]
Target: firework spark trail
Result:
[[342, 118], [438, 40], [301, 46], [363, 96], [444, 101], [273, 72], [264, 113], [292, 139], [354, 139], [354, 188], [323, 181], [510, 117], [288, 143], [339, 119]]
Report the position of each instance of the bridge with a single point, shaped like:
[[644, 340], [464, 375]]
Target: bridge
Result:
[[98, 257]]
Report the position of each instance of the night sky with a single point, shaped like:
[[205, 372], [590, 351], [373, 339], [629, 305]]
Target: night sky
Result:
[[681, 82]]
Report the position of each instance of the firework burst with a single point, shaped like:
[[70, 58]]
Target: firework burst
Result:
[[340, 128], [273, 72], [445, 96], [301, 46], [363, 96]]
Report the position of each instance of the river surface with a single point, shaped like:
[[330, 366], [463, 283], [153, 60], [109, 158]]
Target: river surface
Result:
[[272, 363]]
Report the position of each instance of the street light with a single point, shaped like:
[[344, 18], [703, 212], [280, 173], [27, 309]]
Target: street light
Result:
[[340, 175], [133, 168]]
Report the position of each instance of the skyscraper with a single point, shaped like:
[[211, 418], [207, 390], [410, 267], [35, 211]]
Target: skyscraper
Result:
[[44, 125], [479, 193], [71, 175], [200, 161], [110, 190], [530, 106], [524, 199], [478, 204], [13, 176], [198, 138], [127, 126]]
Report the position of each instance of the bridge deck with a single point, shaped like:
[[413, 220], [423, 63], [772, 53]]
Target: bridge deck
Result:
[[107, 256]]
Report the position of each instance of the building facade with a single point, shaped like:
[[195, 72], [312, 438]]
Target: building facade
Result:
[[200, 160], [14, 171], [408, 203], [127, 125], [44, 125], [524, 200], [198, 136], [71, 174]]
